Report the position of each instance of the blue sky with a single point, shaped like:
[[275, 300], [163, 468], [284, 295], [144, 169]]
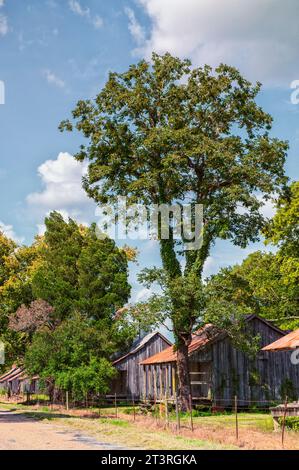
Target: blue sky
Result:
[[54, 52]]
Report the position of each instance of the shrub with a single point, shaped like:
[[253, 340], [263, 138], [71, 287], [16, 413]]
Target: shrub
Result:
[[291, 422]]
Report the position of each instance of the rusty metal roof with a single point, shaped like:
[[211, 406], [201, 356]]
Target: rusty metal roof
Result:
[[286, 343], [3, 377], [17, 375], [12, 374], [200, 338]]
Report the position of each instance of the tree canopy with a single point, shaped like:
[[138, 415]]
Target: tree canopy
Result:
[[164, 132]]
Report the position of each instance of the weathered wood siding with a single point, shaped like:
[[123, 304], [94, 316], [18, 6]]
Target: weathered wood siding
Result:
[[225, 372], [261, 379], [134, 371], [160, 380]]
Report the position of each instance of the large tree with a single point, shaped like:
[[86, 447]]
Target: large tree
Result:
[[80, 272], [164, 132]]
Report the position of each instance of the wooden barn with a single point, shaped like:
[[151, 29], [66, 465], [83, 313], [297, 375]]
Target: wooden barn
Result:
[[10, 381], [219, 372], [129, 381], [16, 382]]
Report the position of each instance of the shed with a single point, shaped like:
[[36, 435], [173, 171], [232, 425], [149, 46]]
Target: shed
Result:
[[10, 381], [16, 381], [219, 371], [129, 381], [3, 377]]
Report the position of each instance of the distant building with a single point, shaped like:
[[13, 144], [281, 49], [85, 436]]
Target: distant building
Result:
[[16, 382], [129, 381]]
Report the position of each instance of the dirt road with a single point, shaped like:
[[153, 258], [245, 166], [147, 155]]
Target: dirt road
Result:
[[18, 432]]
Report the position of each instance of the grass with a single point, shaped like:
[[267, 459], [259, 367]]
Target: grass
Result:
[[262, 421], [122, 432], [138, 437], [145, 434]]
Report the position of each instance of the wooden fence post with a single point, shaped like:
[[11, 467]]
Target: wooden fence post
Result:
[[155, 407], [236, 415], [284, 421], [134, 412], [177, 411], [67, 400], [166, 411], [115, 403], [191, 417], [161, 392]]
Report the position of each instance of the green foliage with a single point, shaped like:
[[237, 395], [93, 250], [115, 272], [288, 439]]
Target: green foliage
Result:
[[102, 277], [288, 390], [265, 283], [17, 267], [260, 286], [75, 356], [164, 131], [80, 271], [291, 422], [57, 279], [93, 377], [67, 270], [283, 231]]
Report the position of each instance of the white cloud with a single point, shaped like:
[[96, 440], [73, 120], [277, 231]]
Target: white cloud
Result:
[[62, 191], [3, 25], [135, 27], [62, 181], [9, 232], [53, 79], [259, 37], [3, 21], [84, 12], [78, 9]]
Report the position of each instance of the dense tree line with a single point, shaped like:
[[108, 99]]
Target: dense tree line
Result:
[[58, 300]]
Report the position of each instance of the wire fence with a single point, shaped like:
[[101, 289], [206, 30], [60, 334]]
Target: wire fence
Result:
[[166, 411]]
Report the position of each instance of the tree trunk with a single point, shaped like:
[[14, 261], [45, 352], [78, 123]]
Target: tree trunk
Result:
[[183, 375]]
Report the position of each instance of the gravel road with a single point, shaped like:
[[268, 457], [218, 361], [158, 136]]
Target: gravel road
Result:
[[18, 432]]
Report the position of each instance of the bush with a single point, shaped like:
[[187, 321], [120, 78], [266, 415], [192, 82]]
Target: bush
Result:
[[291, 422]]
